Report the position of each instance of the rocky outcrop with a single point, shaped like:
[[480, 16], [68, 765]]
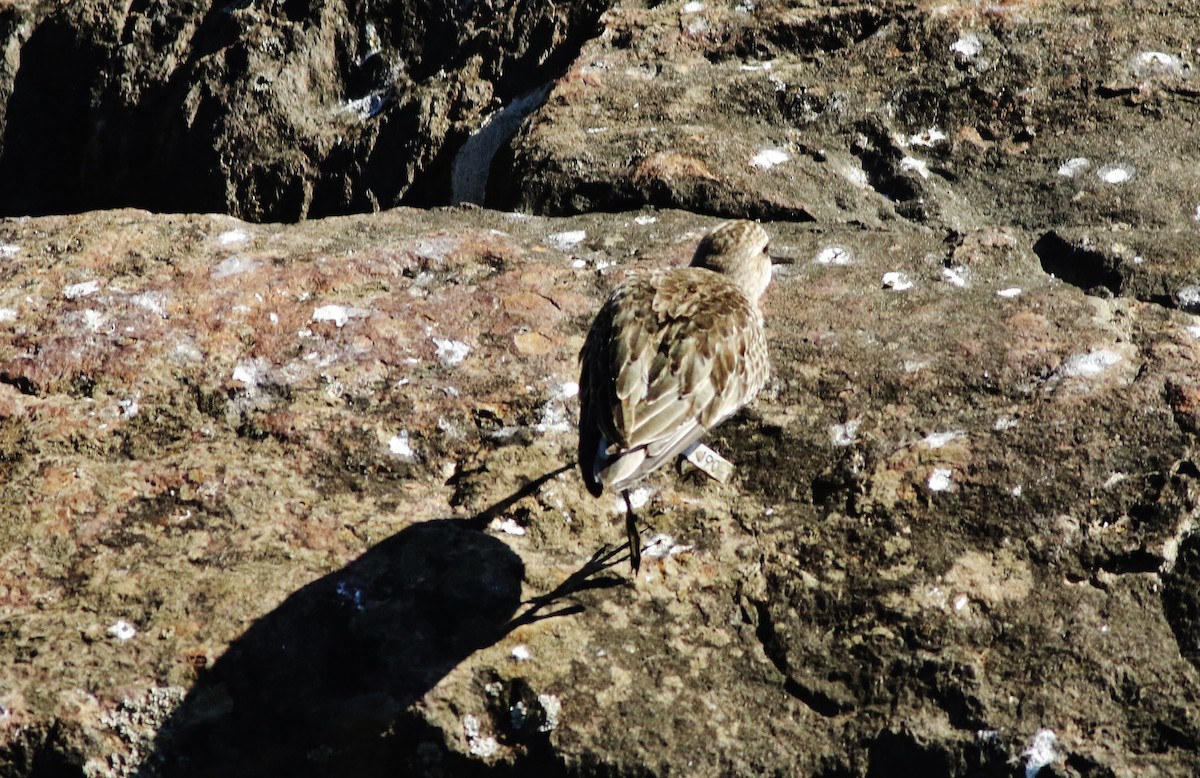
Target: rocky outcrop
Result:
[[269, 111], [300, 499]]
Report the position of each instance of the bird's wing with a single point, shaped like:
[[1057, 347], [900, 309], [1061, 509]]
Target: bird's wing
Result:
[[672, 355]]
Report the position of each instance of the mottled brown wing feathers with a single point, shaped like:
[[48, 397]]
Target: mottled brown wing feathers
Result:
[[665, 361]]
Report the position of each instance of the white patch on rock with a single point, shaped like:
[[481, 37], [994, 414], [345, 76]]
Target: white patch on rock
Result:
[[897, 281], [233, 237], [509, 526], [232, 266], [555, 417], [1090, 364], [644, 220], [662, 546], [939, 439], [338, 314], [844, 434], [914, 165], [1115, 173], [929, 137], [551, 708], [82, 289], [1005, 423], [967, 46], [400, 445], [128, 408], [769, 158], [566, 240], [478, 744], [154, 302], [637, 498], [834, 255], [94, 320], [251, 372], [1188, 298], [451, 352], [521, 653], [1156, 63], [1074, 166], [939, 479], [8, 314], [693, 7], [8, 250], [955, 276], [1012, 291], [1042, 750], [122, 630]]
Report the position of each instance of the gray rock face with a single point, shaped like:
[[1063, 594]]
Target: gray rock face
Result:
[[300, 499]]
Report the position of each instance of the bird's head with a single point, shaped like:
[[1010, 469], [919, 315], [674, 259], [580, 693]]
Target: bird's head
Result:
[[739, 250]]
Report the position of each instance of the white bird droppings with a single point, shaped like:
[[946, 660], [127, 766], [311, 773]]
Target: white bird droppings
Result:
[[955, 276], [897, 281], [566, 240], [845, 434], [1012, 291], [929, 137], [338, 314], [939, 479], [1090, 364], [400, 445], [967, 46], [644, 220], [8, 314], [637, 498], [1115, 173], [82, 289], [914, 165], [663, 545], [834, 255], [232, 266], [1155, 63], [1042, 751], [451, 352], [510, 526], [769, 158], [521, 653], [8, 250], [94, 320], [233, 237], [693, 7], [939, 439], [1074, 166], [1188, 298], [478, 744], [122, 630]]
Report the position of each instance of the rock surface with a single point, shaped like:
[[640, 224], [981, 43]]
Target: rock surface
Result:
[[299, 499]]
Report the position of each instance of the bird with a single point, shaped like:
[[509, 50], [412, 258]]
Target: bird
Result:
[[671, 354]]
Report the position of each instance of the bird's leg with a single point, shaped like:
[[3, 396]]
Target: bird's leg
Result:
[[632, 536]]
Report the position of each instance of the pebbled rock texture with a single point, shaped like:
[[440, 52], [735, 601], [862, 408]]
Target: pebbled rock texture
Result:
[[299, 499]]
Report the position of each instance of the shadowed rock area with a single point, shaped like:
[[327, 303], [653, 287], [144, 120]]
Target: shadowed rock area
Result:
[[299, 498]]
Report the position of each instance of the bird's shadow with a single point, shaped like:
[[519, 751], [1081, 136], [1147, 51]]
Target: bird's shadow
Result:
[[322, 685]]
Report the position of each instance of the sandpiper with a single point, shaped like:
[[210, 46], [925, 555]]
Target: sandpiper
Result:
[[670, 355]]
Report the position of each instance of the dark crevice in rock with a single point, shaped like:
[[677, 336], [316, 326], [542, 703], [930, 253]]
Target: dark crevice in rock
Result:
[[42, 753], [1181, 598], [881, 162], [268, 112], [21, 383], [773, 647], [1091, 271]]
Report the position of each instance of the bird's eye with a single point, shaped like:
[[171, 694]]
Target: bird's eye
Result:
[[767, 249]]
